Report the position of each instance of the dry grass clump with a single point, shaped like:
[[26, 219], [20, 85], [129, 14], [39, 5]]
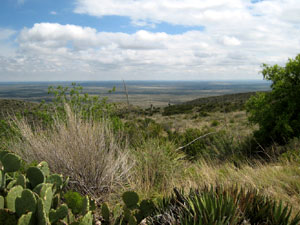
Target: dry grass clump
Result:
[[86, 151]]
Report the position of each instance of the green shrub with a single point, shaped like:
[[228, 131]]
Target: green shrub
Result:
[[215, 123], [278, 112], [217, 145]]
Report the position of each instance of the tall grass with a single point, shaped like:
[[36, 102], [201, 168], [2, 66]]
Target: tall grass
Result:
[[158, 167], [87, 151]]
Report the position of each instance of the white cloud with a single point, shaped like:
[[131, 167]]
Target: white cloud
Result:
[[53, 13], [237, 38], [183, 12], [231, 41]]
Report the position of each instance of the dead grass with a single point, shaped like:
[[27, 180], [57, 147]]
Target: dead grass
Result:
[[88, 152]]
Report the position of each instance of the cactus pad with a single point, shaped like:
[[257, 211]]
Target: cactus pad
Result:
[[21, 180], [11, 197], [26, 203], [41, 213], [35, 176], [26, 219], [46, 195], [59, 214], [2, 154], [87, 219], [11, 162], [130, 199], [55, 179], [44, 167], [1, 202], [105, 212]]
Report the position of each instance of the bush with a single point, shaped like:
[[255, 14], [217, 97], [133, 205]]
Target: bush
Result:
[[219, 145], [278, 112], [87, 151]]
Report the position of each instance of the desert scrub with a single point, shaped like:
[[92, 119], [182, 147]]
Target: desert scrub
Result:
[[158, 167], [87, 151]]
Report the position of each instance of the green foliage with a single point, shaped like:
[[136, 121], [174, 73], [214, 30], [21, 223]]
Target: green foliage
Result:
[[222, 206], [82, 104], [132, 213], [7, 217], [74, 201], [11, 162], [130, 199], [278, 112], [218, 146], [215, 123], [224, 103], [142, 129], [11, 197], [35, 198], [35, 176]]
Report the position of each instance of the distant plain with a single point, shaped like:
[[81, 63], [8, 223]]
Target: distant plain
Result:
[[141, 93]]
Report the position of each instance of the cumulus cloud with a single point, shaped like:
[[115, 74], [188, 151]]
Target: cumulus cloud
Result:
[[183, 12], [238, 37]]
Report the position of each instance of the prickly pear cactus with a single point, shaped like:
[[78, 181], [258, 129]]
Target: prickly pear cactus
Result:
[[35, 176], [11, 162], [21, 180], [44, 167], [27, 219], [105, 212], [36, 198], [7, 217], [55, 179], [26, 203], [11, 197], [2, 201], [87, 219], [130, 199], [41, 213], [59, 214]]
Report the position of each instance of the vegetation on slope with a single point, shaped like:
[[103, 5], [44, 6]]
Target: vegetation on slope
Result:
[[228, 175]]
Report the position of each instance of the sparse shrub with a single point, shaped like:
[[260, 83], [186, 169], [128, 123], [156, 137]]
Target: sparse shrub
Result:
[[142, 129], [87, 151]]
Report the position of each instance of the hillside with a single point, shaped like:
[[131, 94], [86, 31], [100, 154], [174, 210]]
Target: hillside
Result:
[[227, 103]]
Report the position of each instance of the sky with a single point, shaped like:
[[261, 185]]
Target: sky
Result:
[[61, 40]]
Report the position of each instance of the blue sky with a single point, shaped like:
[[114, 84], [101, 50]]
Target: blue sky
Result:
[[145, 39]]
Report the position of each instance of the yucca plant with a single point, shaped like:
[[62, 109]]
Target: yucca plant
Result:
[[219, 206]]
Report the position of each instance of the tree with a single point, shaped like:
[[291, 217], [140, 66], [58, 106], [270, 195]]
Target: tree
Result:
[[277, 112]]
